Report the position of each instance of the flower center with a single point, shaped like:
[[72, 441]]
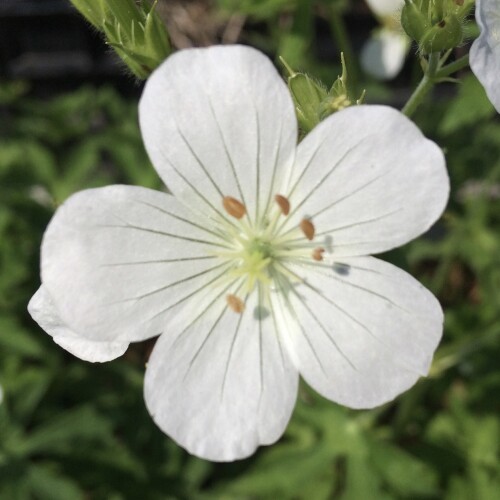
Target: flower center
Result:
[[259, 253], [261, 248], [253, 260]]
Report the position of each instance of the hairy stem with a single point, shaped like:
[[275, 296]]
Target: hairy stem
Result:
[[434, 74]]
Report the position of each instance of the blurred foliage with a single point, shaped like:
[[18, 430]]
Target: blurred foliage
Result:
[[74, 430]]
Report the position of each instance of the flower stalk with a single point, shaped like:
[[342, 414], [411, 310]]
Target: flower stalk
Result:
[[434, 73]]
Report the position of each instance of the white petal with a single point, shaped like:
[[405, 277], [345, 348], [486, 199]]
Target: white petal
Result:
[[383, 8], [43, 311], [384, 54], [369, 180], [224, 385], [367, 330], [485, 51], [217, 122], [117, 261]]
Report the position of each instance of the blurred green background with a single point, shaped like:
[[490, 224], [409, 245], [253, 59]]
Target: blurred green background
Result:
[[75, 430]]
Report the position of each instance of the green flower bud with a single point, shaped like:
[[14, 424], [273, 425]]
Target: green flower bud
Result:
[[133, 29], [445, 35], [312, 101], [435, 25], [332, 104], [338, 97], [307, 95], [414, 21], [93, 10]]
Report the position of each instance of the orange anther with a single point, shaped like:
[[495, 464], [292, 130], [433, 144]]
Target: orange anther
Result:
[[235, 303], [318, 253], [283, 203], [307, 228], [234, 207]]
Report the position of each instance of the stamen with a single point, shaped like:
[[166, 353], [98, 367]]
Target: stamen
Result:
[[318, 253], [235, 303], [234, 207], [307, 228], [283, 203]]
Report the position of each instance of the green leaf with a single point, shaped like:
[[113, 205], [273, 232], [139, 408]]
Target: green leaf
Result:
[[47, 484], [470, 106], [405, 474], [16, 340], [64, 431]]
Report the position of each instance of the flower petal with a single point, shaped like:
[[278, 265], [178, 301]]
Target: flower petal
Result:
[[366, 330], [384, 54], [369, 180], [224, 385], [43, 311], [217, 122], [119, 261], [384, 8], [485, 51]]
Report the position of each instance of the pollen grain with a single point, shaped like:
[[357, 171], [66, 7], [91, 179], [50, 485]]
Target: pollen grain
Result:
[[318, 254], [283, 203], [307, 228], [234, 207], [235, 303]]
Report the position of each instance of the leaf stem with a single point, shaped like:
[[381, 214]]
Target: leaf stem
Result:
[[425, 85], [453, 67]]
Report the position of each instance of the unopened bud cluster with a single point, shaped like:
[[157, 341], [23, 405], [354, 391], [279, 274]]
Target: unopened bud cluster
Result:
[[436, 25], [313, 101], [133, 29]]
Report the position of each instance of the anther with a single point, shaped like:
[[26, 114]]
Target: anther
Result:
[[318, 253], [234, 207], [283, 203], [307, 228], [235, 303]]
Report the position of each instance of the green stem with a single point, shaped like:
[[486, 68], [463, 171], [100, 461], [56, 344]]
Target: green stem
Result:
[[425, 85], [339, 32], [453, 67], [434, 74]]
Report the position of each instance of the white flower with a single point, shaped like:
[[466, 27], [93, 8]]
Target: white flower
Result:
[[229, 272], [385, 8], [383, 55], [485, 51]]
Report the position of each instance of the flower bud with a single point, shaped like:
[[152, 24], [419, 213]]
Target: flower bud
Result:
[[414, 21], [338, 96], [436, 26], [307, 95], [313, 102], [445, 35], [133, 29], [93, 10]]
